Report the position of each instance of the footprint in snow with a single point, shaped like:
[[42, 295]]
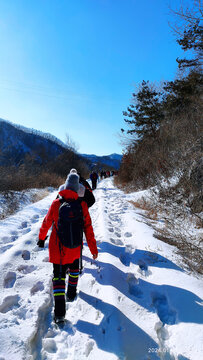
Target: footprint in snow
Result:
[[133, 286], [26, 230], [115, 218], [93, 282], [142, 265], [9, 303], [39, 286], [26, 255], [89, 347], [6, 239], [50, 333], [28, 242], [143, 268], [125, 258], [21, 312], [18, 253], [128, 234], [5, 248], [14, 237], [162, 332], [14, 232], [118, 234], [9, 279], [35, 219], [46, 259], [26, 269], [49, 345], [23, 225], [111, 229], [116, 241], [165, 314]]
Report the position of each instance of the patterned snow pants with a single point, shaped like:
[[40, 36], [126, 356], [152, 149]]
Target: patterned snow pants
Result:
[[59, 285]]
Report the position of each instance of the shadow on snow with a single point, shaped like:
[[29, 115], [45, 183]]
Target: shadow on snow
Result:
[[172, 304], [116, 333], [142, 258]]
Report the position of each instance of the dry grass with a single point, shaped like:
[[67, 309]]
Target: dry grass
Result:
[[151, 212], [173, 232], [191, 254], [13, 201], [199, 223]]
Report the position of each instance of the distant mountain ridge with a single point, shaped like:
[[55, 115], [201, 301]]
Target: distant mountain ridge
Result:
[[18, 142], [32, 131], [113, 160]]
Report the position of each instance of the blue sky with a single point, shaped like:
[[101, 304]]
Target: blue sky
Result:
[[70, 66]]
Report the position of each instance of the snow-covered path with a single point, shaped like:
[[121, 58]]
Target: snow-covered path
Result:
[[134, 302]]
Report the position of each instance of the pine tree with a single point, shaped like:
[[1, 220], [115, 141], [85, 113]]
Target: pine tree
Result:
[[189, 32], [144, 115], [192, 40]]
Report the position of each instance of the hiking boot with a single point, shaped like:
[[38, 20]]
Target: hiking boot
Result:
[[59, 319], [70, 298]]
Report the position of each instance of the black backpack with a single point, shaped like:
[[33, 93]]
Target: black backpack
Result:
[[70, 223]]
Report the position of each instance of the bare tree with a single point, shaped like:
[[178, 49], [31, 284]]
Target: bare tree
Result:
[[72, 145], [189, 31]]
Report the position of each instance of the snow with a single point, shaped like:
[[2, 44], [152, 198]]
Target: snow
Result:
[[11, 201], [134, 302]]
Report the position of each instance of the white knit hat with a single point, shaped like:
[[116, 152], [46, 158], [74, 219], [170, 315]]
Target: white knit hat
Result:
[[72, 182], [73, 171]]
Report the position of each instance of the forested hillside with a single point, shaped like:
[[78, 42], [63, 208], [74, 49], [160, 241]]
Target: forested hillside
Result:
[[30, 158], [164, 140]]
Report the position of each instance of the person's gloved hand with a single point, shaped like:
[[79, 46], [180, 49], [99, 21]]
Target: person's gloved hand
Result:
[[40, 243], [95, 256]]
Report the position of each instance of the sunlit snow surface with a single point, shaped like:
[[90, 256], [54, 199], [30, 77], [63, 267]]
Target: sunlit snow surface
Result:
[[134, 301]]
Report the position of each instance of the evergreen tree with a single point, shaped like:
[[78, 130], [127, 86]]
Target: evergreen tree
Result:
[[192, 40], [189, 32], [144, 115], [180, 92]]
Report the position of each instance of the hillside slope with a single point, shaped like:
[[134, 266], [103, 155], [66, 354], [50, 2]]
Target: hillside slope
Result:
[[17, 142]]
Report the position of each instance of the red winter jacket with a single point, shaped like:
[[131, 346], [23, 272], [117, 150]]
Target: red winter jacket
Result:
[[67, 255]]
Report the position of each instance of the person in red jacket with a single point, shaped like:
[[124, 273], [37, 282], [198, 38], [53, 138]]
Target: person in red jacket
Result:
[[65, 259]]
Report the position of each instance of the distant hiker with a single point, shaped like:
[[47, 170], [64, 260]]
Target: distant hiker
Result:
[[88, 195], [93, 178], [85, 192], [69, 217], [102, 174]]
